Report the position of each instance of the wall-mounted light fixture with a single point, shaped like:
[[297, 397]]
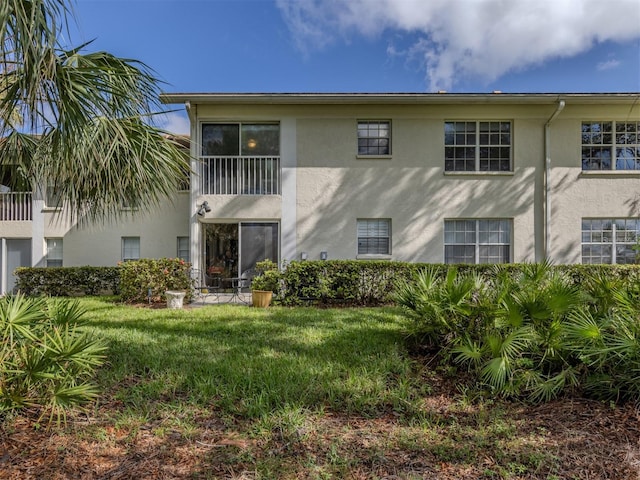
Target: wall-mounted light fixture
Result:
[[323, 255], [303, 256], [204, 208]]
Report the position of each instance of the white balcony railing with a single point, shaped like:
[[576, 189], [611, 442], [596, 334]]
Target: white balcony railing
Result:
[[15, 207], [240, 175]]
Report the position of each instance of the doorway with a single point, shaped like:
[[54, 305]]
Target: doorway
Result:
[[233, 249], [18, 254]]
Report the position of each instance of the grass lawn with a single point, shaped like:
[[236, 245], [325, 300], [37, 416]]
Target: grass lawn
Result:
[[237, 392]]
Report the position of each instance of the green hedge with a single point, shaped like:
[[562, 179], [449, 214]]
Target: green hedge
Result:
[[138, 277], [359, 282], [68, 281], [131, 280]]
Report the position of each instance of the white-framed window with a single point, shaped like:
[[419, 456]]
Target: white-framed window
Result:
[[477, 146], [374, 236], [609, 240], [374, 137], [52, 198], [477, 241], [183, 248], [240, 139], [611, 145], [130, 248], [54, 252]]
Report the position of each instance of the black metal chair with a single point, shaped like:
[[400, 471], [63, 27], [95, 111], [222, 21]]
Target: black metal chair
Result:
[[206, 285]]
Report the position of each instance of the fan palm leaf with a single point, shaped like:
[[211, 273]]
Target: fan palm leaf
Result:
[[89, 117]]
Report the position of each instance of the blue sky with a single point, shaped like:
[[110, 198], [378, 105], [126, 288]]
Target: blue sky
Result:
[[372, 45]]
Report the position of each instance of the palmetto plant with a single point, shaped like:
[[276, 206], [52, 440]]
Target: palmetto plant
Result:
[[608, 343], [443, 307], [80, 122], [507, 329], [523, 351], [47, 360]]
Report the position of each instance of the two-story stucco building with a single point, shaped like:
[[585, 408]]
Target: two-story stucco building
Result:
[[412, 177]]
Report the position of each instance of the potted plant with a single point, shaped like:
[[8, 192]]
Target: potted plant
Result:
[[264, 283]]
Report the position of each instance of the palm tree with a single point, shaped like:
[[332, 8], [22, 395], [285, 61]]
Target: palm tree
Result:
[[80, 122]]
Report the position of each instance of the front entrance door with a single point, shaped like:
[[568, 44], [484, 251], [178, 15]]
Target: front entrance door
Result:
[[18, 255]]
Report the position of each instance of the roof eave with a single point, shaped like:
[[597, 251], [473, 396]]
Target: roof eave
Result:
[[395, 98]]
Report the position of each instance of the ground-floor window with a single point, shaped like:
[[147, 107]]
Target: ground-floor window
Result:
[[477, 241], [609, 240], [130, 248], [374, 236], [54, 252], [183, 248]]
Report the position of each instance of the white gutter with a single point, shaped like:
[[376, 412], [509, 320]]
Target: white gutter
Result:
[[547, 179]]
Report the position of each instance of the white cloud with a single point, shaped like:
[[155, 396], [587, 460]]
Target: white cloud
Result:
[[175, 122], [608, 65], [481, 38]]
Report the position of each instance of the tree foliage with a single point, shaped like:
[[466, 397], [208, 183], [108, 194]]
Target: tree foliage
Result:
[[47, 360], [79, 121]]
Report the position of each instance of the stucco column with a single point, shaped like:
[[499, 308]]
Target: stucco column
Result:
[[288, 163]]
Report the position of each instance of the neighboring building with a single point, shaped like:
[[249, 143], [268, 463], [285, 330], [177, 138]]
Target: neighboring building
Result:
[[410, 177]]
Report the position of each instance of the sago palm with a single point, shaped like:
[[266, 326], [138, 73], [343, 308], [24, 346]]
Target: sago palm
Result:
[[80, 122]]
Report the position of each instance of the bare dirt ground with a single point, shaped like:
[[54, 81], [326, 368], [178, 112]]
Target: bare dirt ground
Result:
[[567, 439]]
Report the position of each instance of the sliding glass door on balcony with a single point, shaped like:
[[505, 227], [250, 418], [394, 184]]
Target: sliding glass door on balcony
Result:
[[240, 159]]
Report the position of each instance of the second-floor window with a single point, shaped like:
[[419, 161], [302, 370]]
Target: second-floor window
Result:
[[374, 138], [240, 159], [610, 145], [477, 146], [244, 139]]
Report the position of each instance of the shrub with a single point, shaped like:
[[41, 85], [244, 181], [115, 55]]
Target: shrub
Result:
[[47, 360], [532, 331], [148, 279], [67, 281], [350, 282]]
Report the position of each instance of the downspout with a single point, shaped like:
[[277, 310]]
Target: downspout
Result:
[[547, 179]]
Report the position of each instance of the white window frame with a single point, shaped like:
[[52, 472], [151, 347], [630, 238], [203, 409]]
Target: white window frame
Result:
[[52, 198], [473, 238], [54, 255], [472, 140], [612, 141], [130, 248], [370, 229], [608, 238], [364, 130], [182, 251]]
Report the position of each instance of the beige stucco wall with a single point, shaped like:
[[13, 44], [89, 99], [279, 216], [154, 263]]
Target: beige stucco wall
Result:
[[411, 187], [335, 187], [16, 229], [577, 194], [98, 245]]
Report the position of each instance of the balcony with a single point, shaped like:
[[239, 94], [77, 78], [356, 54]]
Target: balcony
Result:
[[239, 175], [15, 207]]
